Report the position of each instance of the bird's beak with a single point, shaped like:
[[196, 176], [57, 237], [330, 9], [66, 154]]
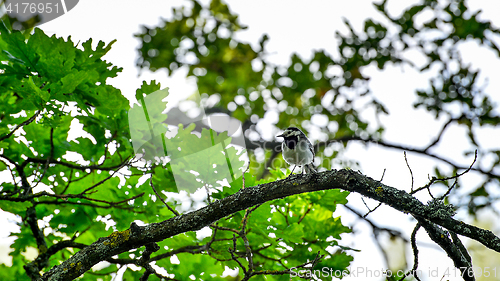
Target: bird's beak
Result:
[[279, 136]]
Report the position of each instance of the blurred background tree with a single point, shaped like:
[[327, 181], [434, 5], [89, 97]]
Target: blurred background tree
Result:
[[329, 95], [331, 98], [235, 79]]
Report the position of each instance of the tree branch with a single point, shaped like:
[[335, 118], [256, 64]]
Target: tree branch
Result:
[[441, 238], [159, 197], [138, 236], [438, 138], [43, 257], [413, 239], [33, 270], [26, 122], [76, 166]]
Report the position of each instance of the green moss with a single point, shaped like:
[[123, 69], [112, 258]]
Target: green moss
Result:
[[117, 237], [78, 266]]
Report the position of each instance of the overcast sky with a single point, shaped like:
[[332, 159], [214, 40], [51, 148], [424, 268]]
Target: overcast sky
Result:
[[301, 27]]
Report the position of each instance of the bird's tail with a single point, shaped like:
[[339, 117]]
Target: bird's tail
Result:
[[310, 169]]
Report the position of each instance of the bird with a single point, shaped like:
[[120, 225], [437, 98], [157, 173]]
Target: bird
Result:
[[297, 150]]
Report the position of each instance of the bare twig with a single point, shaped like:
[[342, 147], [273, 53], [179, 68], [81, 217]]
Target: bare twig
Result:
[[411, 172], [233, 256], [369, 210], [438, 138], [304, 215], [413, 271], [383, 174], [434, 179], [441, 237]]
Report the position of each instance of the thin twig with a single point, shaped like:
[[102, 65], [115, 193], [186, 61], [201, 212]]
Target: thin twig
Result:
[[215, 227], [73, 166], [66, 196], [243, 236], [438, 138], [244, 172], [31, 119], [413, 271], [158, 195], [51, 155], [304, 215], [411, 172], [209, 198], [383, 174], [232, 251]]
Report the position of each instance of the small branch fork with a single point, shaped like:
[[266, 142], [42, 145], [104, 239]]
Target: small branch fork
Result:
[[31, 119]]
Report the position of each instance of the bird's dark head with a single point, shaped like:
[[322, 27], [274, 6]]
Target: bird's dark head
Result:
[[290, 132]]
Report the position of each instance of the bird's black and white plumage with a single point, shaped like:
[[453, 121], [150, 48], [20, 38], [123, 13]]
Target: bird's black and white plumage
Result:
[[297, 149]]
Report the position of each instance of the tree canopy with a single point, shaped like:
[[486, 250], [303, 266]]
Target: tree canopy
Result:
[[108, 199]]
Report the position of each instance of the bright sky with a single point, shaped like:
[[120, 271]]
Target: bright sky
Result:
[[301, 27]]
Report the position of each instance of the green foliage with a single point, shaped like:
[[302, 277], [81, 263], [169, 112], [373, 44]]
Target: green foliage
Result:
[[208, 155], [49, 86]]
